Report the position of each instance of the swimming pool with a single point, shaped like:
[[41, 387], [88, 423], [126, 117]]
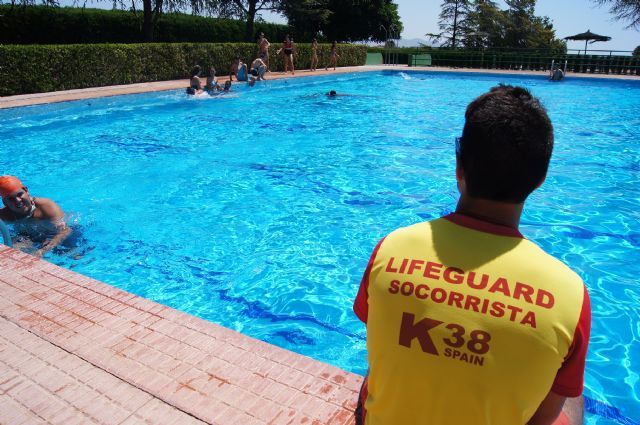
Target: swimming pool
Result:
[[258, 210]]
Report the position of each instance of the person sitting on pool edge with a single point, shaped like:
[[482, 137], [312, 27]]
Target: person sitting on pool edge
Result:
[[195, 85], [32, 216], [467, 321], [258, 68], [239, 69]]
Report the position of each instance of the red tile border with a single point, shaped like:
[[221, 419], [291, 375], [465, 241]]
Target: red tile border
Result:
[[76, 350]]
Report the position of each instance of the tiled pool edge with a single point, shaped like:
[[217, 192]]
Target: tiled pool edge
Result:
[[76, 349]]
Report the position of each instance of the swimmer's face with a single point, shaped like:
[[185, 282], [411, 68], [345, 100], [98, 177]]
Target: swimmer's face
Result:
[[18, 201]]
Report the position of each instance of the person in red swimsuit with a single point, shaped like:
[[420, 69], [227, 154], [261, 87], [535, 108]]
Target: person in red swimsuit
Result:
[[468, 322]]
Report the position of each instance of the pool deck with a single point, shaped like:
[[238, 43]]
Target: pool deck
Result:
[[74, 350], [78, 94]]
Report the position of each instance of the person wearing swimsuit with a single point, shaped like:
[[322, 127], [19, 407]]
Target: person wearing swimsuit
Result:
[[333, 56], [314, 54], [263, 49], [212, 82], [258, 68], [195, 85], [288, 49], [32, 214]]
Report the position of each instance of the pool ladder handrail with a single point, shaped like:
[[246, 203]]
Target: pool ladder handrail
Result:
[[6, 237]]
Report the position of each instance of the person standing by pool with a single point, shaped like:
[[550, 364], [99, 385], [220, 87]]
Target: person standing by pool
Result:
[[314, 54], [288, 49], [34, 217], [467, 321], [263, 49], [333, 56]]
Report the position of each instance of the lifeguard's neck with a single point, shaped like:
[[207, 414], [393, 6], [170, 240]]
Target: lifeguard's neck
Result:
[[501, 213]]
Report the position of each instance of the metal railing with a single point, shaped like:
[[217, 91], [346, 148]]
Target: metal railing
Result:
[[392, 37], [595, 62]]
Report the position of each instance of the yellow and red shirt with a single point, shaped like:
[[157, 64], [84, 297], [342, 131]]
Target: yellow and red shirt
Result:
[[469, 323]]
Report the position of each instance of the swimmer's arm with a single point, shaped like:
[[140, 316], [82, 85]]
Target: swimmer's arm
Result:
[[51, 211], [53, 242]]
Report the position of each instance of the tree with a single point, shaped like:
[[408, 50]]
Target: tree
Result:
[[356, 20], [484, 26], [452, 23], [243, 9], [520, 21], [307, 17], [624, 10], [636, 51]]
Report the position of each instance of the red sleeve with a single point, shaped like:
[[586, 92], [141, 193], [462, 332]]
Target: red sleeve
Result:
[[361, 303], [570, 377]]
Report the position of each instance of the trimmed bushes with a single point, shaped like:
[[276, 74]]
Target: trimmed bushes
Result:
[[54, 25], [44, 68]]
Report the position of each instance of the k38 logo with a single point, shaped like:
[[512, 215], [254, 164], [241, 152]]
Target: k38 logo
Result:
[[476, 342]]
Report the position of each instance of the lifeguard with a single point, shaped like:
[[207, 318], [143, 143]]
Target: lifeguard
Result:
[[467, 321]]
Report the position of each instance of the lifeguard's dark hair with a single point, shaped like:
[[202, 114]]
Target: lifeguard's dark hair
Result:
[[506, 145]]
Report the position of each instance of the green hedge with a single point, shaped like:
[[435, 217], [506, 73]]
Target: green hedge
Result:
[[54, 25], [37, 69]]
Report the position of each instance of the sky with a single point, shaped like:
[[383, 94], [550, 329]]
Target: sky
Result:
[[568, 16]]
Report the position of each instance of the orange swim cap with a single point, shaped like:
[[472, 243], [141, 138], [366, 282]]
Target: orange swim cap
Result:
[[9, 185]]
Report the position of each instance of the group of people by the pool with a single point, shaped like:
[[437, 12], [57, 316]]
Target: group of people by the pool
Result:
[[258, 67]]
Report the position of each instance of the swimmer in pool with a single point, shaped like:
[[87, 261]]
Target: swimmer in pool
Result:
[[31, 216]]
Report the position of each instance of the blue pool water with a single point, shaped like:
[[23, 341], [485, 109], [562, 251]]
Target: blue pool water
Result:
[[258, 210]]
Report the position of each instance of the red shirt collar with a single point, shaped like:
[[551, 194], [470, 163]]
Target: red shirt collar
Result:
[[482, 226]]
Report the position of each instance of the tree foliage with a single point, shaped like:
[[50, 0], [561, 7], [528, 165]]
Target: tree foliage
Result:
[[246, 10], [307, 17], [344, 20], [481, 24], [624, 10], [355, 20], [485, 25], [453, 21], [636, 51]]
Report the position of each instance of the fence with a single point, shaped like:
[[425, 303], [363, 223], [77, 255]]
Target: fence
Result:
[[601, 62]]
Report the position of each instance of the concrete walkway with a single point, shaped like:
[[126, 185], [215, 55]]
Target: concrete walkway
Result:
[[74, 350]]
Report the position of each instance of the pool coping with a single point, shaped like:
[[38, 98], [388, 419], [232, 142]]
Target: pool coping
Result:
[[77, 350], [90, 93]]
